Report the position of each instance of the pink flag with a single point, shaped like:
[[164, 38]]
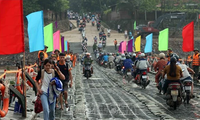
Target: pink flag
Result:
[[123, 46], [56, 40]]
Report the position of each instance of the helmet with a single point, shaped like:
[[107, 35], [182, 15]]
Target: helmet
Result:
[[175, 56], [110, 54], [134, 54], [196, 49], [162, 55], [142, 54], [68, 57], [123, 55], [127, 57], [88, 54]]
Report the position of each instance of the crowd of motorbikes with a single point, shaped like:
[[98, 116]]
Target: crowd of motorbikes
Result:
[[176, 93]]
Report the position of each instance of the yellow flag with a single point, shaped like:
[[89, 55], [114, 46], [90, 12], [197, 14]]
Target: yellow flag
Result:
[[137, 44], [60, 44]]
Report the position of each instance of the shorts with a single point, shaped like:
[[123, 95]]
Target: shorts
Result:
[[65, 86]]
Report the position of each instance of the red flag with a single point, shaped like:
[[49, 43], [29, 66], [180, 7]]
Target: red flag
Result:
[[188, 37], [11, 27]]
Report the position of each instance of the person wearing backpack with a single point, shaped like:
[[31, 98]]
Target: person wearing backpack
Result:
[[66, 70]]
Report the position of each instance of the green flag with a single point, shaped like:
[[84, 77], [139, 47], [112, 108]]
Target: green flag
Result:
[[163, 40], [48, 37], [135, 25]]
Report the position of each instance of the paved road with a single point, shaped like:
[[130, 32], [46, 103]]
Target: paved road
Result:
[[107, 96]]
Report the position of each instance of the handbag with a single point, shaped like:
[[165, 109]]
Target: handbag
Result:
[[38, 105]]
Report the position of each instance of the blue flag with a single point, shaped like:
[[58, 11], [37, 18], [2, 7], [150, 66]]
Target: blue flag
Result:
[[133, 41], [35, 31], [149, 42], [66, 46]]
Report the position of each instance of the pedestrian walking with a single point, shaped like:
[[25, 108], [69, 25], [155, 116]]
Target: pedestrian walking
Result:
[[70, 25], [115, 43], [43, 88], [118, 27], [196, 64]]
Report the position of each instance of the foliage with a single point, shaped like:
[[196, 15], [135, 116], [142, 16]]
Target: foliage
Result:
[[91, 5], [107, 11], [30, 6]]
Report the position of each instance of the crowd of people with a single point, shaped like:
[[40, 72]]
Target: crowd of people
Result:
[[58, 65]]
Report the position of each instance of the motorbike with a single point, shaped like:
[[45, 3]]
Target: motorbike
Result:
[[104, 44], [105, 64], [173, 96], [98, 28], [144, 82], [187, 85], [126, 73], [118, 67], [125, 36], [93, 23], [88, 20], [110, 65], [87, 72], [108, 34]]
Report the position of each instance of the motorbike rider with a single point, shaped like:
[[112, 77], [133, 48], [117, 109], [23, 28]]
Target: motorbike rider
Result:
[[94, 47], [170, 54], [174, 73], [111, 58], [127, 63], [117, 59], [68, 61], [105, 58], [142, 65], [130, 34], [95, 39], [87, 60], [186, 75], [108, 31], [100, 45], [125, 33], [160, 66], [133, 57]]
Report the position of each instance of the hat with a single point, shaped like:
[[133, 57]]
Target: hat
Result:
[[196, 49], [56, 50], [46, 46]]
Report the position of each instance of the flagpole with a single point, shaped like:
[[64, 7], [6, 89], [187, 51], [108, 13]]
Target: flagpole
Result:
[[24, 87]]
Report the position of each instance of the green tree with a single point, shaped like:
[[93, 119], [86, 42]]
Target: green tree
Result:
[[30, 6]]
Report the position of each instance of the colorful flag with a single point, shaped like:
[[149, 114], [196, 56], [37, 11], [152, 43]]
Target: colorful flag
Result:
[[56, 40], [66, 46], [120, 47], [188, 37], [149, 43], [138, 44], [133, 40], [56, 24], [130, 46], [62, 43], [123, 46], [163, 40], [36, 31], [48, 37], [135, 25], [11, 27]]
